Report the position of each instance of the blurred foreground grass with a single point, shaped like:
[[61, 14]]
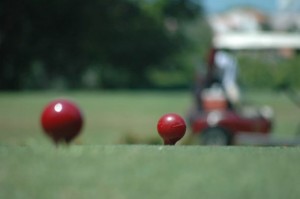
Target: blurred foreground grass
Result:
[[145, 171]]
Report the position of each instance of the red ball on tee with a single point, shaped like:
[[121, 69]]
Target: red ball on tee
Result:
[[62, 120], [171, 127]]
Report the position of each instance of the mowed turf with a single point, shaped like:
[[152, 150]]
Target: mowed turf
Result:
[[140, 171], [121, 117], [109, 117], [100, 165]]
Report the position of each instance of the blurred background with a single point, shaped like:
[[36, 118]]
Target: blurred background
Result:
[[99, 44], [107, 45], [102, 44]]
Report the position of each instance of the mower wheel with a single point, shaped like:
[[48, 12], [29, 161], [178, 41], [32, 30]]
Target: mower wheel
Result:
[[216, 136]]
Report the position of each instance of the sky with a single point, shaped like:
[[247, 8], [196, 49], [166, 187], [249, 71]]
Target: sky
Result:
[[215, 6]]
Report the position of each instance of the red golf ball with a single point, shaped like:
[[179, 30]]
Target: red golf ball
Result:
[[171, 127], [62, 120]]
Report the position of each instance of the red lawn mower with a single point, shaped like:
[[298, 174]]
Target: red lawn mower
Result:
[[215, 118], [216, 122]]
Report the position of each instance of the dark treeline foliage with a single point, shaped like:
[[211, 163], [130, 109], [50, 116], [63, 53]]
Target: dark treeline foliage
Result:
[[100, 43]]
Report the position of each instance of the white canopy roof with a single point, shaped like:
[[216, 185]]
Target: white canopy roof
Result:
[[257, 40]]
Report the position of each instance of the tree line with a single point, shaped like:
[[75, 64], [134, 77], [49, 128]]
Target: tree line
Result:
[[105, 44]]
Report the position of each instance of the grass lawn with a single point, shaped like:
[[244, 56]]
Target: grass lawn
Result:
[[149, 171], [109, 117], [100, 165], [118, 117]]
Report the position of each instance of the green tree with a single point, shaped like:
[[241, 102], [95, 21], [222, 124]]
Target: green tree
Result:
[[48, 41]]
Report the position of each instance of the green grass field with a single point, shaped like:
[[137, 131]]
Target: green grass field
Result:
[[100, 164]]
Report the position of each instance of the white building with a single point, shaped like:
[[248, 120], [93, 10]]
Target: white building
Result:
[[238, 20]]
